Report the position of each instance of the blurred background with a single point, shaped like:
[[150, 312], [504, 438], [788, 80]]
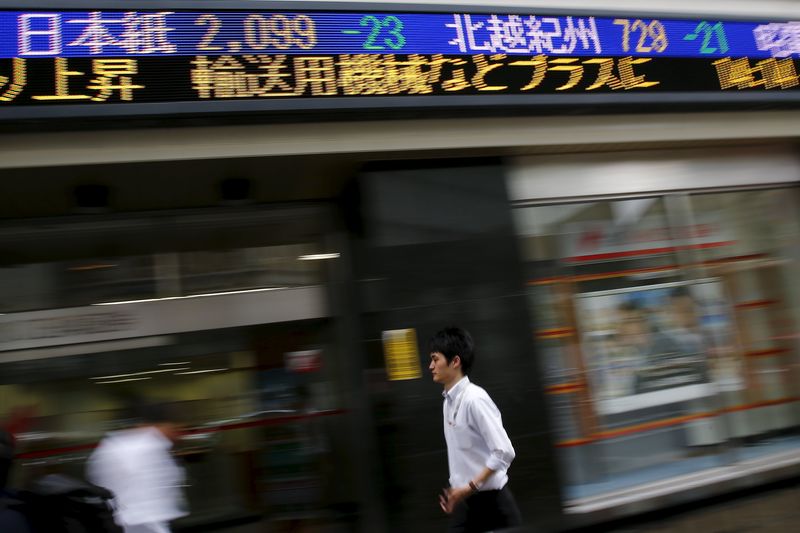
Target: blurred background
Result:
[[630, 279]]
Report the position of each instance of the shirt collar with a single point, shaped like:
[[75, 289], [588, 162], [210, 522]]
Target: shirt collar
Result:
[[456, 389]]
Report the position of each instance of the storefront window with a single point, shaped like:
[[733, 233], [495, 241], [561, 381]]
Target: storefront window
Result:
[[112, 279], [258, 407], [759, 272], [664, 326], [249, 268], [237, 343]]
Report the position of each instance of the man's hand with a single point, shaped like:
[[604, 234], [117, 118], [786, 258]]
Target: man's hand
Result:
[[451, 497]]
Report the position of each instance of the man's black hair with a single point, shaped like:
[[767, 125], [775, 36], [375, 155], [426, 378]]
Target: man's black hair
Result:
[[454, 341], [146, 411]]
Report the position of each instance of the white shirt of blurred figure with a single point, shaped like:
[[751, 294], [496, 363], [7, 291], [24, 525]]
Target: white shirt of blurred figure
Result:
[[135, 464]]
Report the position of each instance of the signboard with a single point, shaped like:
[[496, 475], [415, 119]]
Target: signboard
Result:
[[401, 354], [657, 344], [67, 326], [125, 320], [78, 62]]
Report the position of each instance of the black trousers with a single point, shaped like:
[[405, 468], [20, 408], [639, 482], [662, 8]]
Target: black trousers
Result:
[[484, 511]]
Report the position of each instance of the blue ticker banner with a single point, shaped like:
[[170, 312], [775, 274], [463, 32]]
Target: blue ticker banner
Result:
[[60, 63], [97, 34]]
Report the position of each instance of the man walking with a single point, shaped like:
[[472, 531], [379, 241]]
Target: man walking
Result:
[[479, 452], [136, 465]]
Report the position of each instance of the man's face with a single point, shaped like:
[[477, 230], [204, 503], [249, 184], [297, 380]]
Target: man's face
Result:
[[441, 371]]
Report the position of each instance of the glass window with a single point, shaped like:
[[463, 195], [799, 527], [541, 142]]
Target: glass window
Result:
[[664, 327], [82, 282], [259, 409], [759, 269], [265, 436], [249, 268]]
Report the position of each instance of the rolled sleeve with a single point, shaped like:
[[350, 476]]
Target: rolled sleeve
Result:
[[490, 425]]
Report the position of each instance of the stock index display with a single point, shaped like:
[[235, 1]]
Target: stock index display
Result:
[[90, 59]]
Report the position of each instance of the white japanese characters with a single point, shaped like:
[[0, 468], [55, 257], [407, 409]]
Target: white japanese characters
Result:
[[514, 34], [42, 34], [780, 39]]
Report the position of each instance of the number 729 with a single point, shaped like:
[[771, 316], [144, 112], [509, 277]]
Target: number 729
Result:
[[654, 30]]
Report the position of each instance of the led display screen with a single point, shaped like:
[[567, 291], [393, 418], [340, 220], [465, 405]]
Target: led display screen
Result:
[[90, 60]]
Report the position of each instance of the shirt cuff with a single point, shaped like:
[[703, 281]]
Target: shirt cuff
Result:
[[495, 463]]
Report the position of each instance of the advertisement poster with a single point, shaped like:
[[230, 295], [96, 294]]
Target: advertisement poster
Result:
[[657, 344], [401, 354]]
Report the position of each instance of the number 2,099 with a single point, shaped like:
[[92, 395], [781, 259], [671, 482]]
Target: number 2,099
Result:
[[263, 31]]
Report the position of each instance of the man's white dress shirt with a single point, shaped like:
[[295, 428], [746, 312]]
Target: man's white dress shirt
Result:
[[473, 430], [136, 465]]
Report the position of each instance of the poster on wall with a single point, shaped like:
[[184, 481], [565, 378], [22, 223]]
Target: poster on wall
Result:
[[657, 344]]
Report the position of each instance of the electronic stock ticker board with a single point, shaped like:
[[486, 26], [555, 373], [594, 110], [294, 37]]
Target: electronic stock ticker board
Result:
[[84, 62]]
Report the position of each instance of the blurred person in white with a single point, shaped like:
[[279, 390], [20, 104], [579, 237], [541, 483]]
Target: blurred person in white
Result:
[[137, 466], [479, 451]]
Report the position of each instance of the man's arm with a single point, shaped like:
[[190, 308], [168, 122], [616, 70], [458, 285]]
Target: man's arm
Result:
[[490, 426]]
